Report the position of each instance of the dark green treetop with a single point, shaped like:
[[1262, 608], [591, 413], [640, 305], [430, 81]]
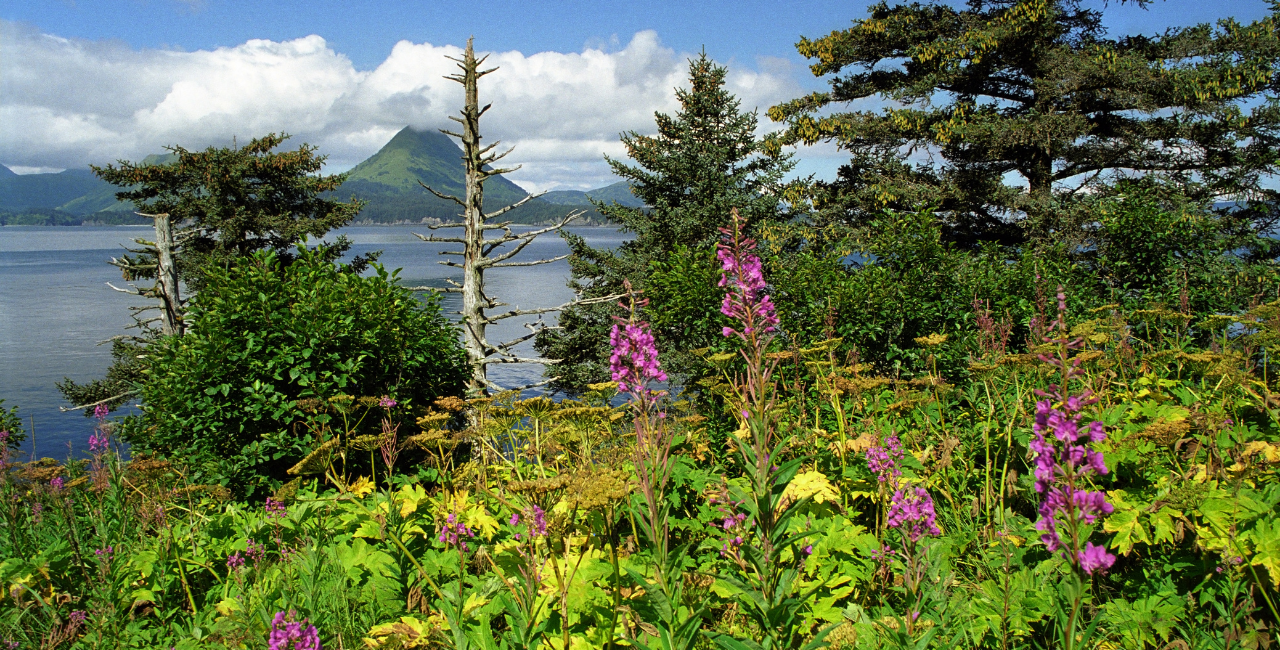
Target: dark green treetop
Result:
[[1020, 105], [235, 200], [703, 161]]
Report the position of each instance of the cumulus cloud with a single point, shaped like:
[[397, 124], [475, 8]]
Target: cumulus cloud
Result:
[[66, 103]]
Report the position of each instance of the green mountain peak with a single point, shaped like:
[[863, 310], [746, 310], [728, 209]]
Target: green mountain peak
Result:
[[428, 156]]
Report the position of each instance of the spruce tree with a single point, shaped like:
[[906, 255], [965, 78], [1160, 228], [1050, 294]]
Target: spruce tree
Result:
[[704, 161], [229, 202], [1004, 113]]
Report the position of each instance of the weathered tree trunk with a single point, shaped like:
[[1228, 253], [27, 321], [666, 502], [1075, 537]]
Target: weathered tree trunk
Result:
[[477, 252], [473, 300], [167, 277]]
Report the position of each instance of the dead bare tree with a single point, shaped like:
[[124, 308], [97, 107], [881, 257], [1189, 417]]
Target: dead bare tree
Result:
[[154, 259], [165, 272], [477, 254]]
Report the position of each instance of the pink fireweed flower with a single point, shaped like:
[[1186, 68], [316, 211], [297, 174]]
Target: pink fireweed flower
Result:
[[535, 519], [455, 533], [911, 510], [538, 521], [743, 274], [56, 483], [105, 554], [386, 402], [235, 561], [883, 460], [1064, 456], [634, 361], [100, 411], [275, 508], [1094, 558], [255, 551], [289, 634], [97, 442], [733, 527]]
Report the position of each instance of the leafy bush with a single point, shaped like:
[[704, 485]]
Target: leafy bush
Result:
[[1152, 245], [12, 424], [263, 336]]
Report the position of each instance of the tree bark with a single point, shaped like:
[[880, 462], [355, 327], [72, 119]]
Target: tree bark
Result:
[[473, 300], [167, 277]]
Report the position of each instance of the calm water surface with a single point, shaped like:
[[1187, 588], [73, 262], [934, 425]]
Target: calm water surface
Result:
[[56, 309]]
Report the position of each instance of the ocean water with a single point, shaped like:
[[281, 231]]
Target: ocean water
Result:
[[56, 309]]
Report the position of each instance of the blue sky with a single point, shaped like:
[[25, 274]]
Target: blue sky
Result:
[[366, 31], [93, 80]]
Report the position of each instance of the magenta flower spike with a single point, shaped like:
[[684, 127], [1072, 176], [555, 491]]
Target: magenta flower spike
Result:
[[911, 510], [883, 460], [634, 360], [1064, 456], [743, 274], [289, 634], [455, 533], [1065, 459], [275, 508]]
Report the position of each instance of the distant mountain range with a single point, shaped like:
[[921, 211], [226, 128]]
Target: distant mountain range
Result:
[[387, 181]]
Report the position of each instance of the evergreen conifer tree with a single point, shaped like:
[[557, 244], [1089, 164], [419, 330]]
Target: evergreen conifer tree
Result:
[[704, 161], [1014, 108]]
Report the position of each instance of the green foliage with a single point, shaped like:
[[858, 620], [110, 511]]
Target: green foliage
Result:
[[1154, 246], [123, 380], [1034, 89], [703, 162], [224, 203], [9, 421], [1193, 448], [265, 334]]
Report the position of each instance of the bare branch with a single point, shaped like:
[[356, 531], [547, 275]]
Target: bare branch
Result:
[[132, 290], [447, 197], [536, 384], [507, 359], [513, 206], [534, 330], [435, 289], [492, 261], [534, 263], [443, 240], [563, 222], [600, 299], [65, 409]]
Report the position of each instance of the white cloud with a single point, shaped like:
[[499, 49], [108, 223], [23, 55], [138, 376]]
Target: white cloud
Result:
[[66, 103]]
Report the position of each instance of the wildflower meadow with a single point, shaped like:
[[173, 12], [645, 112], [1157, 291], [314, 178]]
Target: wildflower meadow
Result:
[[1101, 489]]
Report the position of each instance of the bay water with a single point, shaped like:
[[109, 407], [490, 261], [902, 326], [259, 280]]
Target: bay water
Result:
[[56, 309]]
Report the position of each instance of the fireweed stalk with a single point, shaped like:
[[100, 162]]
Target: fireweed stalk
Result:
[[1065, 459], [911, 513], [770, 558], [99, 445], [525, 601], [634, 365]]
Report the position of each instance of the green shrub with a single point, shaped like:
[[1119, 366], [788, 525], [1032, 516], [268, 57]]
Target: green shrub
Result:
[[264, 335], [10, 422]]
